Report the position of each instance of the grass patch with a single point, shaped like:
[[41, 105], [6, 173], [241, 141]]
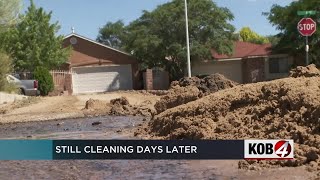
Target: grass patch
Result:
[[26, 102]]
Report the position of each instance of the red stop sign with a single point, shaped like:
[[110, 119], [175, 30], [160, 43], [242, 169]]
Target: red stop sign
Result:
[[307, 26]]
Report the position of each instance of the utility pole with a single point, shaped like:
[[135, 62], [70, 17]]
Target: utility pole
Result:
[[187, 37]]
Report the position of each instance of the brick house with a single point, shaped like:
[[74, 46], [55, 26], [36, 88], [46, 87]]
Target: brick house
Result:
[[96, 67], [248, 63]]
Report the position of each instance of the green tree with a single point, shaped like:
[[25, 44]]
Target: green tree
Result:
[[8, 17], [112, 34], [158, 38], [45, 80], [247, 35], [273, 39], [285, 19], [9, 11], [33, 42]]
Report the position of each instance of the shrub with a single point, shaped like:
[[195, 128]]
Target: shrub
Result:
[[44, 78], [11, 88], [6, 68]]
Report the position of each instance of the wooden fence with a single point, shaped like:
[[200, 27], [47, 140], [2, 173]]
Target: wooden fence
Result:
[[61, 79]]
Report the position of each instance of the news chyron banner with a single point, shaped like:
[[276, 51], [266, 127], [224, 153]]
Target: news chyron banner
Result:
[[146, 149]]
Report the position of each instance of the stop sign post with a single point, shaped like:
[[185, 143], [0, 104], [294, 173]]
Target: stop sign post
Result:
[[307, 27]]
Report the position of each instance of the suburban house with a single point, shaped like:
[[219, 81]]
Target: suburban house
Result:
[[95, 67], [248, 63]]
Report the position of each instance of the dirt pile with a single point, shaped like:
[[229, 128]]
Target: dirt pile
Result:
[[190, 89], [121, 107], [95, 104], [146, 108], [177, 96], [187, 81], [281, 109], [96, 107], [207, 84], [118, 107], [145, 92], [308, 71], [120, 101]]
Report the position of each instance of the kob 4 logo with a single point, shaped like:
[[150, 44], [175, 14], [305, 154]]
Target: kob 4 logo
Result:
[[268, 149], [283, 149]]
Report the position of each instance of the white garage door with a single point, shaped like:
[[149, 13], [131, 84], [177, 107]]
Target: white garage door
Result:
[[101, 79]]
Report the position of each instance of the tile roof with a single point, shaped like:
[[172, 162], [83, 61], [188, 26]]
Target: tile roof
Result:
[[245, 49]]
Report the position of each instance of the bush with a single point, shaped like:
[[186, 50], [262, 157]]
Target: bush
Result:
[[6, 68], [44, 78], [11, 88]]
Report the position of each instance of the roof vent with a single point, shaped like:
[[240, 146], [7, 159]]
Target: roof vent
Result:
[[73, 40]]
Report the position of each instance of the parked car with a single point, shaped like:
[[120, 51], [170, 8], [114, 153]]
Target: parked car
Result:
[[26, 87]]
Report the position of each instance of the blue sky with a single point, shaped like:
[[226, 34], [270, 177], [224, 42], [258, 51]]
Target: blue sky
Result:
[[87, 16]]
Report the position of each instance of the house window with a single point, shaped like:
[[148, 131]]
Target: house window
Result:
[[279, 65]]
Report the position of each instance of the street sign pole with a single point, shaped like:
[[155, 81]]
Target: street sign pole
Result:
[[307, 51], [306, 14]]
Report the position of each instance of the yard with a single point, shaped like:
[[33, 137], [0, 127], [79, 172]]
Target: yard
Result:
[[62, 107]]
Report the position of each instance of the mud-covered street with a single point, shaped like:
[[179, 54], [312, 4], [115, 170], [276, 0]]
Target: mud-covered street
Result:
[[119, 128]]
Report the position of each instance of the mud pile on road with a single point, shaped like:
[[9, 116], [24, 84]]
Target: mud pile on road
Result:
[[207, 84], [118, 107], [95, 104], [176, 96], [190, 89], [96, 107], [308, 71], [122, 107], [282, 109]]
